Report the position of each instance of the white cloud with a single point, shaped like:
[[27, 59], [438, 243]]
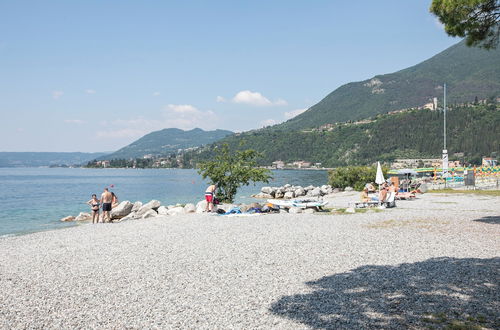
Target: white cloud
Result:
[[255, 98], [74, 121], [90, 91], [293, 113], [220, 99], [156, 93], [268, 122], [183, 116], [56, 95]]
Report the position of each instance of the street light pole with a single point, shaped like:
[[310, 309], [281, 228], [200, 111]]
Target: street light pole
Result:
[[445, 151]]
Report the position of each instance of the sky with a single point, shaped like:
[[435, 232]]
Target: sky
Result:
[[96, 75]]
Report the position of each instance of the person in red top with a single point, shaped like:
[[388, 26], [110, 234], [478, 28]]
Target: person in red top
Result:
[[209, 197]]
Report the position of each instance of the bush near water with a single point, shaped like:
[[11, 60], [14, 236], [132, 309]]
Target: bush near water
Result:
[[353, 176]]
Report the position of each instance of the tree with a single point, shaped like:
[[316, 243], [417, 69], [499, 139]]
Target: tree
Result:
[[231, 170], [477, 20]]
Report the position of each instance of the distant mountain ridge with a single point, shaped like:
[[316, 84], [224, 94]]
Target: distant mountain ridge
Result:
[[167, 141], [468, 73], [37, 159]]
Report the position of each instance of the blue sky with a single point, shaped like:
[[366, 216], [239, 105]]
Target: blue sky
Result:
[[97, 75]]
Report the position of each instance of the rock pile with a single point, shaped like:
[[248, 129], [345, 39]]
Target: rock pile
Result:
[[288, 191], [133, 211]]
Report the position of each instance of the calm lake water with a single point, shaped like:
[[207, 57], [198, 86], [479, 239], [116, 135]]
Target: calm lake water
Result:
[[35, 199]]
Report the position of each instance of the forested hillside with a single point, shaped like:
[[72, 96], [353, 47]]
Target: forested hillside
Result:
[[468, 73], [167, 141], [473, 130]]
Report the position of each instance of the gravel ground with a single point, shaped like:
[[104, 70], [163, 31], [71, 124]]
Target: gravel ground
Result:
[[428, 262]]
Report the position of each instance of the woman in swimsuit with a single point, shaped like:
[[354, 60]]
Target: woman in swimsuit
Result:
[[94, 205], [114, 200]]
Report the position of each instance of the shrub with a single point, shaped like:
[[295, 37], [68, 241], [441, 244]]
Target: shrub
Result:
[[353, 176]]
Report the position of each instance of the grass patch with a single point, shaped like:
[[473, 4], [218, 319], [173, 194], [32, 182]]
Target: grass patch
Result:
[[442, 321], [341, 211], [474, 192]]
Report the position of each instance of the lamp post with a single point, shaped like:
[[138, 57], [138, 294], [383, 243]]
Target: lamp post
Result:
[[445, 151]]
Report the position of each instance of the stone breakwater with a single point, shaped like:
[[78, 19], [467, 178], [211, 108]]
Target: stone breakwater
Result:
[[288, 191]]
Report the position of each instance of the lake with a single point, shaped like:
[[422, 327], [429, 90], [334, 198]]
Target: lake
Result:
[[35, 199]]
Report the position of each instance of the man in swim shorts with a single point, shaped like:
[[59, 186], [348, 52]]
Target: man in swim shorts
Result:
[[106, 199], [209, 197]]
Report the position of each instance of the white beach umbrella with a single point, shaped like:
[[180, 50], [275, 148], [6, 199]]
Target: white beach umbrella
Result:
[[379, 179]]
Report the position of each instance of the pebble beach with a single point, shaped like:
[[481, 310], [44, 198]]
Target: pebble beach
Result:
[[429, 262]]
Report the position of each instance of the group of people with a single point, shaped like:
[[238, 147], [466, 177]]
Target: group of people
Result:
[[386, 188], [107, 202]]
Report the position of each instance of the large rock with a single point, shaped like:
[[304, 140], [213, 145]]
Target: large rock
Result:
[[263, 196], [149, 214], [279, 194], [122, 210], [256, 205], [189, 208], [201, 206], [316, 192], [348, 189], [175, 210], [68, 219], [310, 187], [152, 205], [289, 195], [299, 192], [267, 190], [162, 210], [131, 216], [83, 216], [137, 206], [309, 211]]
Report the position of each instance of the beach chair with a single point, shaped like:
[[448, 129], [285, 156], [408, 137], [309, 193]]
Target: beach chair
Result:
[[390, 201]]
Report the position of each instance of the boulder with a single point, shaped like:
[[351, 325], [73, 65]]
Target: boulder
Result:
[[287, 186], [299, 192], [336, 190], [325, 189], [348, 189], [279, 194], [149, 214], [122, 210], [189, 208], [136, 207], [131, 216], [201, 206], [314, 192], [162, 210], [310, 187], [266, 190], [83, 216], [309, 211], [263, 196], [283, 211], [289, 195], [295, 210], [152, 205], [68, 219], [175, 210]]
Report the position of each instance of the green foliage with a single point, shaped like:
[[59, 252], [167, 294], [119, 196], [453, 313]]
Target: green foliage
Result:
[[467, 72], [230, 170], [477, 20], [353, 176]]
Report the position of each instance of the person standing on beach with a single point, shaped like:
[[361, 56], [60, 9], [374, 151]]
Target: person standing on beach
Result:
[[106, 199], [114, 200], [94, 205], [209, 197]]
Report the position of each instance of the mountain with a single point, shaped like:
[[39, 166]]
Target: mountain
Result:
[[36, 159], [167, 141], [473, 130], [467, 72]]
